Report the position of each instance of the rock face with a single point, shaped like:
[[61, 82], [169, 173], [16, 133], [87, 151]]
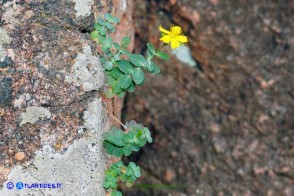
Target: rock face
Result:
[[224, 127], [50, 110]]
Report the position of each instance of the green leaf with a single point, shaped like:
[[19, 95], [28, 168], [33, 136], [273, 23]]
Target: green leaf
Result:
[[115, 20], [131, 88], [109, 26], [138, 76], [116, 193], [118, 152], [135, 147], [129, 172], [151, 48], [137, 60], [108, 65], [162, 55], [111, 18], [101, 30], [150, 56], [148, 135], [112, 181], [109, 54], [126, 138], [125, 42], [112, 149], [102, 59], [115, 137], [94, 34], [116, 73], [127, 150], [123, 178], [125, 81], [125, 66], [150, 66], [96, 26], [141, 142], [132, 165], [119, 164], [101, 39], [125, 52], [116, 46], [137, 173], [116, 88], [121, 94], [100, 21], [156, 70], [108, 16], [106, 185], [107, 42]]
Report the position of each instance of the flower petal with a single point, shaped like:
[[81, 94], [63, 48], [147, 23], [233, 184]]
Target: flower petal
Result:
[[165, 39], [182, 38], [176, 30], [174, 43], [164, 30]]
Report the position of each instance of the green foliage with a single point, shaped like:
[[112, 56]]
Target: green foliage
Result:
[[119, 143], [138, 76], [151, 48], [124, 70], [116, 193], [162, 55], [118, 171], [125, 42]]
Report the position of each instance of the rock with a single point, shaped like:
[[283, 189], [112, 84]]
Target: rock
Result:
[[237, 111], [82, 76], [4, 39], [5, 92], [7, 62], [33, 114], [169, 175], [52, 75], [20, 156]]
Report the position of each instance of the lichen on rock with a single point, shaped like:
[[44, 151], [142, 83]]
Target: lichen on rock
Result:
[[33, 114], [83, 7], [87, 71], [4, 39]]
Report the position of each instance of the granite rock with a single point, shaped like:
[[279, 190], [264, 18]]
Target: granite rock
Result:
[[49, 93]]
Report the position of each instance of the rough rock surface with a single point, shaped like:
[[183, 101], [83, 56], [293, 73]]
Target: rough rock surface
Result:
[[228, 129], [51, 117]]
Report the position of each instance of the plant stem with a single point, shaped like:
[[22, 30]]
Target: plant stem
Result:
[[162, 46], [115, 118]]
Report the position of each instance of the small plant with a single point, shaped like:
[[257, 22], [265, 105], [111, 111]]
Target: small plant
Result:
[[124, 71], [118, 171], [119, 143]]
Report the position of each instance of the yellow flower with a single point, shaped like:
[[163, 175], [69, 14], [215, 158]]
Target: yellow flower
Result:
[[174, 36]]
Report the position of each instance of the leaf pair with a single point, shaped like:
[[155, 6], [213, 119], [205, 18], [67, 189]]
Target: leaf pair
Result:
[[118, 171], [131, 174], [119, 143]]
